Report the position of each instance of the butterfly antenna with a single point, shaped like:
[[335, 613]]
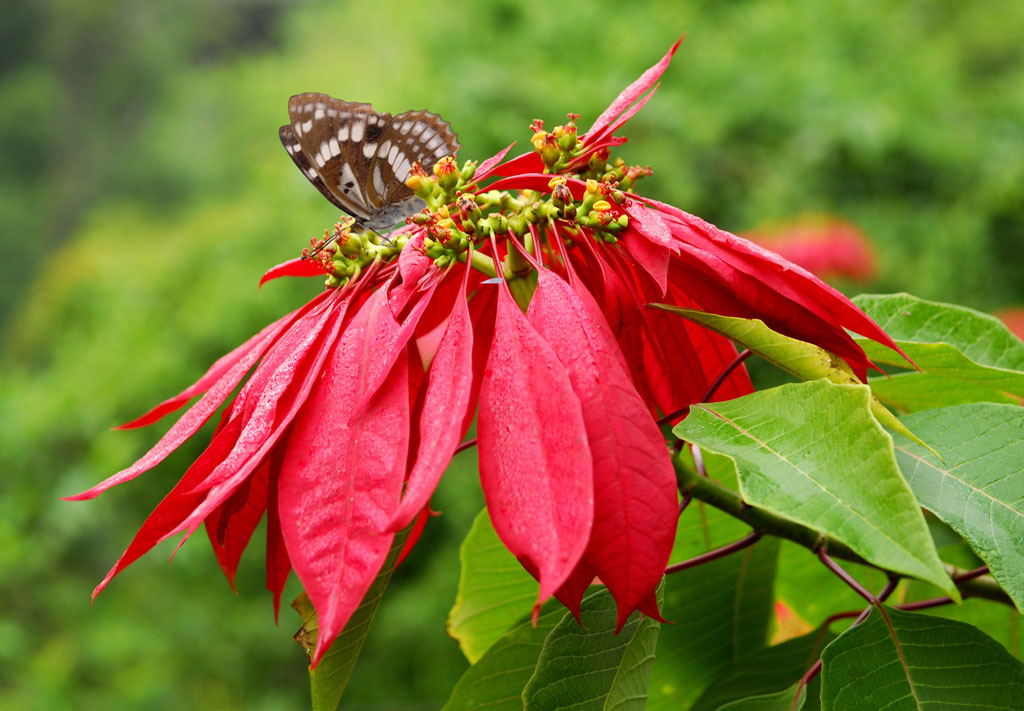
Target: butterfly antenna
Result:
[[330, 240]]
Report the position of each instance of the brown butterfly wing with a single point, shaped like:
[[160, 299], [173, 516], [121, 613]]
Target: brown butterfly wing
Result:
[[330, 135], [360, 159], [414, 136]]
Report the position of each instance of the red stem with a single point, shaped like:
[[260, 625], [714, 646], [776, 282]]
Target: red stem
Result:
[[925, 604], [971, 574], [845, 577], [726, 372], [687, 498], [715, 554]]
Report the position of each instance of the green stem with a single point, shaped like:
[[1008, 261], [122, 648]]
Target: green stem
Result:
[[515, 263], [521, 282], [481, 262], [522, 288]]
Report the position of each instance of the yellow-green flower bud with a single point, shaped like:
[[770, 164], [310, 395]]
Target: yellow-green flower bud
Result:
[[447, 172]]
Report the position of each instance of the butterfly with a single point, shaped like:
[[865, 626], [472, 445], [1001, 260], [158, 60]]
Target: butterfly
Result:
[[360, 159]]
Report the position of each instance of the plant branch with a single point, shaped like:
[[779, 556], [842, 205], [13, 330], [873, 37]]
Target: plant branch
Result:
[[844, 576], [985, 589], [715, 554], [925, 604], [726, 372], [970, 575], [685, 501]]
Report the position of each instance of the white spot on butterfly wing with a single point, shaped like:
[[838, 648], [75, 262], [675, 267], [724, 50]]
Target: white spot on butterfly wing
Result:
[[335, 148], [348, 185], [378, 180], [369, 149], [384, 148], [343, 133], [357, 130], [402, 171]]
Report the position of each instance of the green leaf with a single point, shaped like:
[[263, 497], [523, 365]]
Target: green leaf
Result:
[[914, 661], [812, 452], [770, 671], [496, 680], [720, 612], [588, 666], [799, 358], [804, 360], [953, 549], [494, 592], [982, 338], [910, 392], [330, 677], [779, 701], [1000, 622], [963, 354], [979, 487]]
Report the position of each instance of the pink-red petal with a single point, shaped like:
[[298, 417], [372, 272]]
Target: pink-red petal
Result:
[[273, 397], [258, 344], [524, 163], [418, 525], [231, 525], [386, 339], [535, 464], [483, 171], [412, 268], [447, 399], [167, 517], [630, 94], [191, 421], [635, 502], [298, 267], [279, 565], [649, 254], [341, 479]]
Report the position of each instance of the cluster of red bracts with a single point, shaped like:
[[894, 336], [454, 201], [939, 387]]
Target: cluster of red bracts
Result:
[[358, 400]]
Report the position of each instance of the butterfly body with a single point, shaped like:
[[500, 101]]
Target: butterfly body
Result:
[[359, 159]]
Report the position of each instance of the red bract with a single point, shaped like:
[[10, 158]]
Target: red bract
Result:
[[523, 302]]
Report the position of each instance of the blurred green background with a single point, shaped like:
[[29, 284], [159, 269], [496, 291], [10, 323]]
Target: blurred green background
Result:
[[145, 191]]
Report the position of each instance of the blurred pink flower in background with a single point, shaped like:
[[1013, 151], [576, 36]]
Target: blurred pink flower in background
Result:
[[829, 247]]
